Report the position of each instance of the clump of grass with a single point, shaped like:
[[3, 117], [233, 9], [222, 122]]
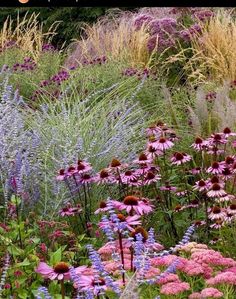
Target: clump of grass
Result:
[[214, 56], [116, 37], [27, 34]]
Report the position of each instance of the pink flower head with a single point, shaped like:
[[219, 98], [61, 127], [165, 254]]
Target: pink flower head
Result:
[[127, 177], [150, 178], [103, 207], [211, 293], [227, 132], [134, 204], [217, 139], [174, 288], [216, 213], [90, 282], [67, 211], [116, 164], [223, 278], [104, 177], [201, 186], [168, 187], [143, 159], [199, 144], [215, 168], [62, 175], [180, 158], [216, 191], [162, 144], [152, 152], [60, 271], [86, 179], [195, 170], [83, 167], [231, 209]]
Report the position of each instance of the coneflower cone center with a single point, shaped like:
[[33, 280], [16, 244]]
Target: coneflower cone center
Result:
[[104, 174], [61, 268], [115, 163], [216, 187], [131, 200], [215, 165], [102, 205], [216, 210]]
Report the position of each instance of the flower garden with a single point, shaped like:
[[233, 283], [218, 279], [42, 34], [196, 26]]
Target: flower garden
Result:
[[118, 157]]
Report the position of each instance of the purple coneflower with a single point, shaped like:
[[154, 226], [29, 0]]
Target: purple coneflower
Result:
[[62, 175], [216, 191], [227, 132], [199, 144], [143, 159], [152, 153], [163, 144], [127, 176], [86, 179], [232, 209], [216, 213], [215, 168], [201, 186], [150, 178], [133, 204], [83, 166], [103, 207], [104, 177], [180, 158]]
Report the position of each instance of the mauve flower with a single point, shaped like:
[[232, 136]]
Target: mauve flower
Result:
[[162, 144], [104, 177], [216, 213], [127, 176], [216, 139], [201, 186], [86, 179], [180, 158], [103, 207], [152, 153], [150, 178], [93, 283], [227, 132], [134, 204], [199, 144], [60, 271], [232, 209], [216, 191], [143, 159], [83, 167], [215, 168], [174, 288], [62, 175]]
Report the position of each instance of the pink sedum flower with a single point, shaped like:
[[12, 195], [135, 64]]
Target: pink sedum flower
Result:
[[211, 293], [174, 288]]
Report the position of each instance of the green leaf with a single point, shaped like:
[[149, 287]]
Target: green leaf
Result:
[[25, 262], [56, 256]]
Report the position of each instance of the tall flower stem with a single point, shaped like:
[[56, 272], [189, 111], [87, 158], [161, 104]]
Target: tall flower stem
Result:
[[122, 257], [62, 289], [18, 223]]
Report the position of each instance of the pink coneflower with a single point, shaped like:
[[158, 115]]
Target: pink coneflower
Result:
[[229, 160], [216, 191], [181, 193], [62, 175], [104, 177], [83, 166], [199, 144], [127, 176], [218, 224], [133, 204], [215, 180], [71, 171], [92, 283], [150, 178], [143, 159], [152, 153], [60, 271], [180, 158], [215, 168], [227, 132], [232, 209], [217, 139], [216, 213], [130, 221], [195, 170], [193, 204], [116, 164], [168, 187], [174, 288], [67, 211], [163, 144], [226, 174], [201, 186], [225, 198], [102, 208], [86, 179]]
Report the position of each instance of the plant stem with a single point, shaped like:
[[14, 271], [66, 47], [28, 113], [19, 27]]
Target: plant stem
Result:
[[122, 257], [62, 289]]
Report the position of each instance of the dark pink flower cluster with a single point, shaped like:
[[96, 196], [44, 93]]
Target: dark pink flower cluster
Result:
[[27, 65]]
